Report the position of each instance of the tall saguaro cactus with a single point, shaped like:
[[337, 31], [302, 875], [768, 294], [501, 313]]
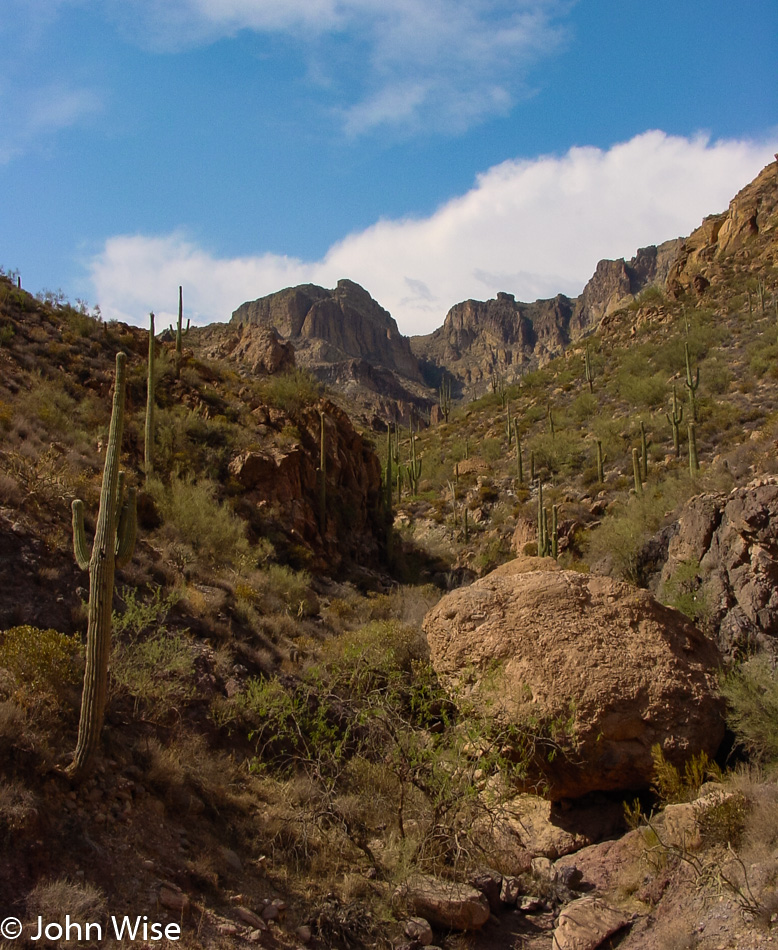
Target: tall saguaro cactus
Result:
[[322, 474], [179, 343], [113, 547], [588, 374], [675, 419], [148, 459], [694, 461], [692, 383]]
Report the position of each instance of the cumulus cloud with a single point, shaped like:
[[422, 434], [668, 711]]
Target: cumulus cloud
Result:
[[533, 228]]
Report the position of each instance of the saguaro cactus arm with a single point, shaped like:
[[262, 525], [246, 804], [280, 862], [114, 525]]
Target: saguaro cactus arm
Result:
[[80, 547]]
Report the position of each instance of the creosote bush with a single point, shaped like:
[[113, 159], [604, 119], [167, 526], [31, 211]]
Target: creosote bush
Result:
[[291, 391], [43, 661], [192, 512], [751, 692]]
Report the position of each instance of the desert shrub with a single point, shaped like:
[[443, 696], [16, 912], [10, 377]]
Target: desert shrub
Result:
[[751, 692], [671, 785], [140, 616], [685, 591], [45, 660], [54, 900], [622, 536], [156, 672], [191, 508], [18, 806], [291, 391], [491, 450], [282, 588], [641, 389], [562, 453]]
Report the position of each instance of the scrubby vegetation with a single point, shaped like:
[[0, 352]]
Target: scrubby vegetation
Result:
[[278, 724]]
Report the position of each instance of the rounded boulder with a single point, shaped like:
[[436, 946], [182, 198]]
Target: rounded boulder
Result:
[[598, 670]]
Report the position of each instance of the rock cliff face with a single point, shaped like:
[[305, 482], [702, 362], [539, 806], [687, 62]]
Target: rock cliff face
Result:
[[725, 554], [743, 236], [348, 340], [332, 325], [281, 483], [479, 338]]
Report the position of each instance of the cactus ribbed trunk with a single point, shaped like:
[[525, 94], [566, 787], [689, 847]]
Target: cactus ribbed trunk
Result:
[[148, 460], [102, 565], [636, 471], [675, 419], [322, 476], [694, 462], [179, 342], [600, 469]]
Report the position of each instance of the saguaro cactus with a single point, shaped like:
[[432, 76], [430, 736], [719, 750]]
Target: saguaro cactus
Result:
[[148, 463], [444, 395], [694, 462], [644, 450], [675, 419], [636, 472], [692, 383], [588, 374], [554, 532], [414, 467], [322, 474], [113, 547], [542, 524], [180, 334], [600, 469]]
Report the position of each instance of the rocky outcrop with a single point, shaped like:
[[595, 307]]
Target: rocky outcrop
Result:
[[615, 284], [744, 234], [600, 668], [499, 336], [280, 483], [503, 336], [347, 340], [332, 325], [725, 555], [258, 348]]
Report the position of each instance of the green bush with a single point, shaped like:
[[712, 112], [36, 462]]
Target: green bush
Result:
[[191, 508], [292, 391], [284, 589], [46, 660], [751, 692], [685, 591], [156, 672]]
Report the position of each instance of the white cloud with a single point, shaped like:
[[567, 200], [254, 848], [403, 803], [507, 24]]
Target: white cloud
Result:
[[33, 115], [402, 64], [533, 228]]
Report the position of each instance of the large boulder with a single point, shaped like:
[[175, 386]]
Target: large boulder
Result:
[[444, 903], [599, 665]]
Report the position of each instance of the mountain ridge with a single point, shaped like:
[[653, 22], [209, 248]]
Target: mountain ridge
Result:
[[348, 340]]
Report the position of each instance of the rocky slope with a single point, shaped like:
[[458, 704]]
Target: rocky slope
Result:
[[479, 339], [348, 341]]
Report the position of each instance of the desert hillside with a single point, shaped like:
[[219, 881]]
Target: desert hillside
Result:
[[501, 677]]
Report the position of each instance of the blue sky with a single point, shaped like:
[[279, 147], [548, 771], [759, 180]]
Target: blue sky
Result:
[[431, 150]]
